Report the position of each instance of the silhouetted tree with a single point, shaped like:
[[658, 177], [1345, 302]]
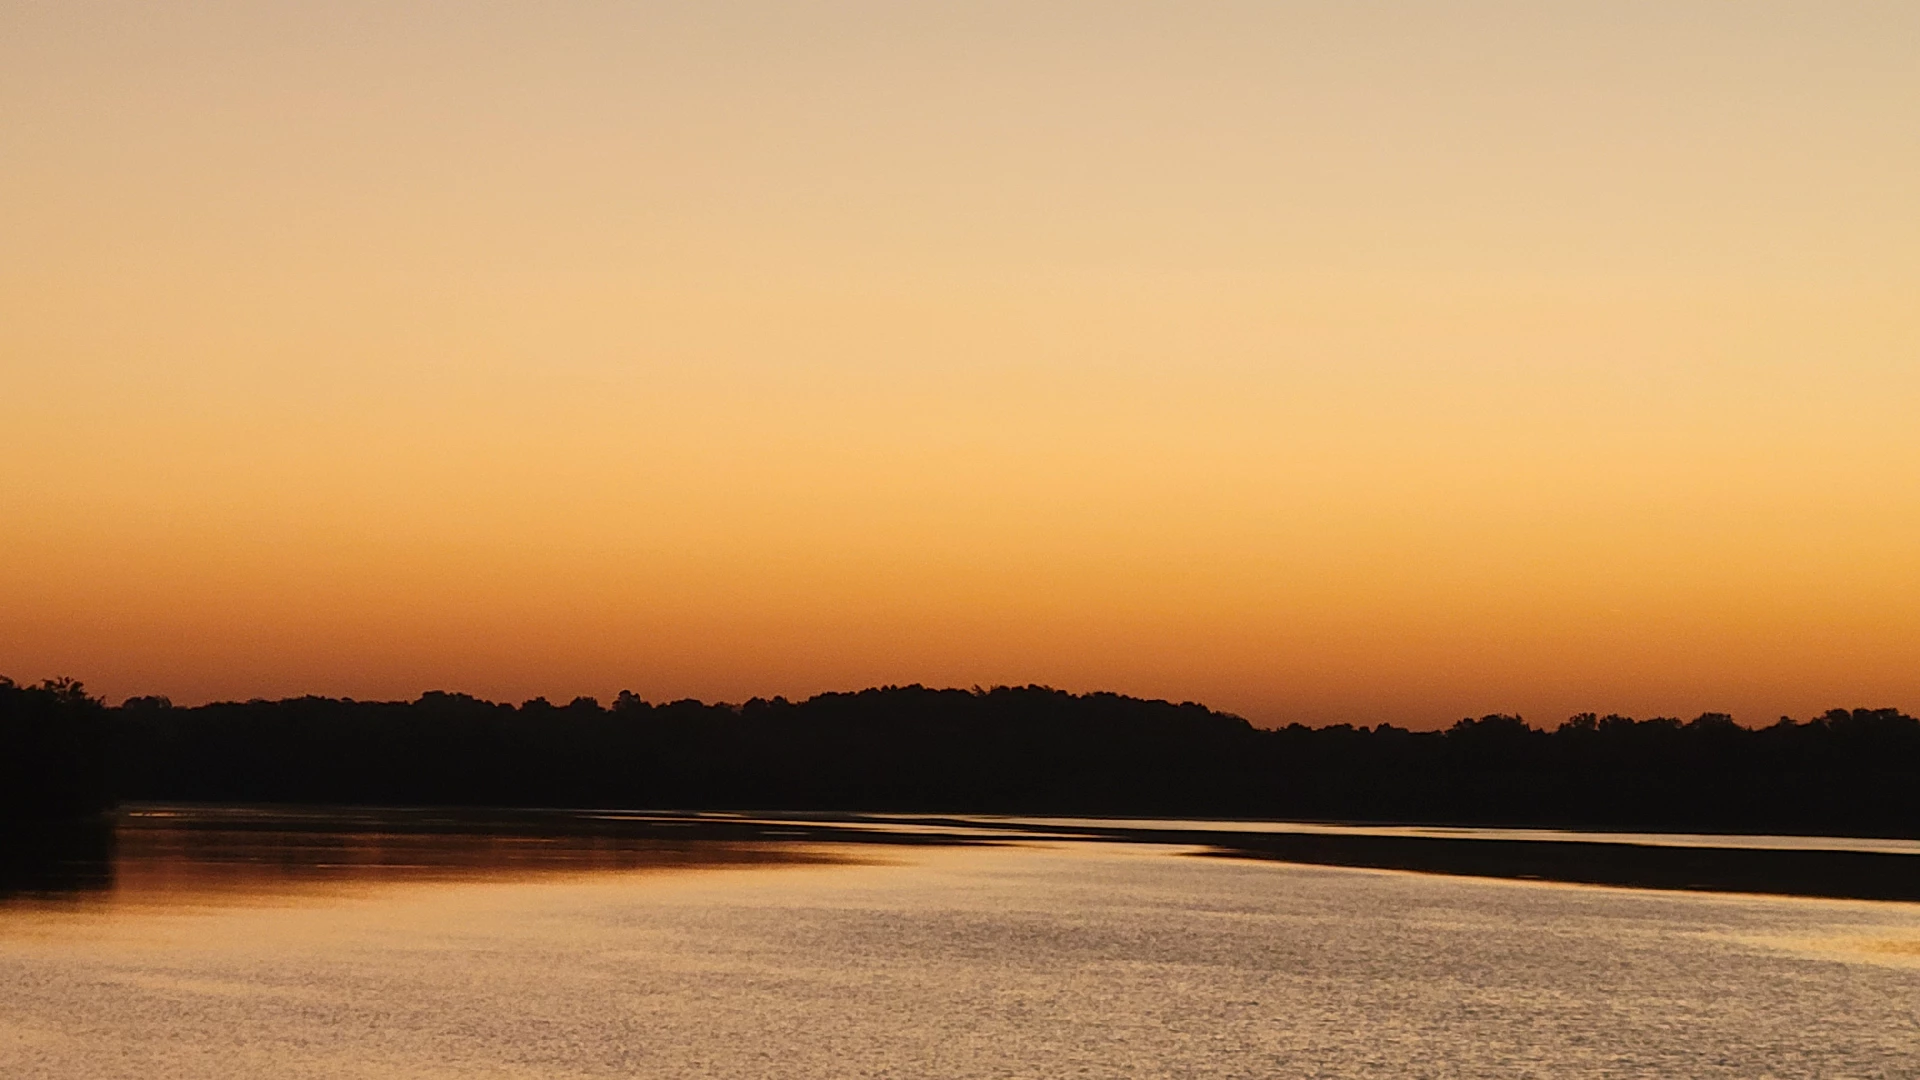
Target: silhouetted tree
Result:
[[55, 751], [1012, 750]]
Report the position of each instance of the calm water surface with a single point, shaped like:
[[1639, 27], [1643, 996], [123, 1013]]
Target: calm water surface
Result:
[[340, 946]]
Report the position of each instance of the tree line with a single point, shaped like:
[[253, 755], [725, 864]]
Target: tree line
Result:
[[1013, 750], [58, 751]]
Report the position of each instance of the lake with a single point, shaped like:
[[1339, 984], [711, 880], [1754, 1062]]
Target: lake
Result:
[[199, 943]]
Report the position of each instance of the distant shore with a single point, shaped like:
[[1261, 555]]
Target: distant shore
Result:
[[1007, 750]]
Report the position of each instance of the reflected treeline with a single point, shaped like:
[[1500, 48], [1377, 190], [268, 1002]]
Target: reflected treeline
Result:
[[1027, 750], [175, 853], [56, 858]]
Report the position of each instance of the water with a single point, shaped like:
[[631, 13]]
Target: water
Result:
[[373, 947], [1753, 842]]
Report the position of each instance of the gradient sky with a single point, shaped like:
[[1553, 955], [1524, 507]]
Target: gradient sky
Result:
[[1318, 361]]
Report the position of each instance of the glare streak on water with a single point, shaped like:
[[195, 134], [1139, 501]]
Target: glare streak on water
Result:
[[711, 958], [1744, 841]]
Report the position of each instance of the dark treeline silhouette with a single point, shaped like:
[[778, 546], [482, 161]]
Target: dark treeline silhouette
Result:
[[57, 751], [1021, 750]]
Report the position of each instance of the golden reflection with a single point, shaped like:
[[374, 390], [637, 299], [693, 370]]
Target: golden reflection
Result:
[[1895, 945], [226, 856], [1901, 947]]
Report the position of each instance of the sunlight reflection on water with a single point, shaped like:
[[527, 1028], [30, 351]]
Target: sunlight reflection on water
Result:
[[387, 944]]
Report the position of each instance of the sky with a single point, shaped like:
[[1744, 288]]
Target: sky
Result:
[[1323, 362]]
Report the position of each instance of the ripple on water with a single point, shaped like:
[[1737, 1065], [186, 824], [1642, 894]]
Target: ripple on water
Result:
[[1031, 960]]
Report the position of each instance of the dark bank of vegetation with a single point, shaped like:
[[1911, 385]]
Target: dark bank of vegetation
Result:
[[58, 751], [1025, 750]]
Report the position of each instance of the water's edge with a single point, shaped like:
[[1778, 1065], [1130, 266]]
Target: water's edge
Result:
[[89, 857]]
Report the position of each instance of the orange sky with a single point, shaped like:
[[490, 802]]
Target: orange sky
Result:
[[1321, 362]]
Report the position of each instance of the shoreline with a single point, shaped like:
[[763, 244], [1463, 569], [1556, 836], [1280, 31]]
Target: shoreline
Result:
[[78, 858]]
